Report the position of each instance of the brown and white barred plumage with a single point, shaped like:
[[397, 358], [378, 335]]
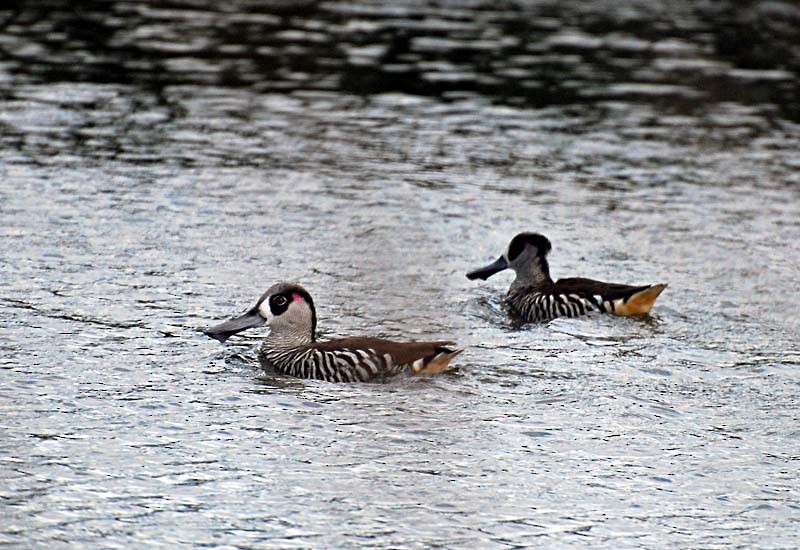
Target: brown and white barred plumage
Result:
[[292, 349], [534, 305], [536, 297], [357, 363]]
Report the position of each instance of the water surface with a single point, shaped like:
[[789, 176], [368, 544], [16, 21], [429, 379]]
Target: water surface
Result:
[[162, 166]]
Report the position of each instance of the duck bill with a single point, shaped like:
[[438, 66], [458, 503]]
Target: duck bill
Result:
[[487, 271], [225, 330]]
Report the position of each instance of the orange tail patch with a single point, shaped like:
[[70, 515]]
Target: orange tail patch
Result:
[[436, 365], [640, 303]]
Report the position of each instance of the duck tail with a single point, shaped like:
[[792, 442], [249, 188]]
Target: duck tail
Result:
[[437, 364], [640, 303]]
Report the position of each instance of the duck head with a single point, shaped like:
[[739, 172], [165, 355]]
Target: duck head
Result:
[[287, 309], [526, 255]]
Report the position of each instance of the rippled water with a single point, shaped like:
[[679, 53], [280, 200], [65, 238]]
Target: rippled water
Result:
[[162, 166]]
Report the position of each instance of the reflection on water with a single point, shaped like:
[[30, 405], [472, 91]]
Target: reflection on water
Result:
[[683, 56], [163, 164]]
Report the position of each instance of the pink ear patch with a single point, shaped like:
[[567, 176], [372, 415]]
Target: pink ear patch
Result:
[[297, 298]]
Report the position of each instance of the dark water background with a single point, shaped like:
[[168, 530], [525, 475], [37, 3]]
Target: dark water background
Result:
[[161, 164]]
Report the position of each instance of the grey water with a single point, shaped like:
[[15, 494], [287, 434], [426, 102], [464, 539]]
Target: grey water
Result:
[[162, 164]]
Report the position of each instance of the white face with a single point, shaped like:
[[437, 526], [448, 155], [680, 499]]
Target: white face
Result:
[[287, 313], [265, 312]]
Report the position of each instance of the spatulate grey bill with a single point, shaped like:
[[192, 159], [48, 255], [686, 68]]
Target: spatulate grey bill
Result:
[[291, 346], [485, 272], [536, 297], [223, 331]]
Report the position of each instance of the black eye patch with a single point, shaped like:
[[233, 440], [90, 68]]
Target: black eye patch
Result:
[[515, 248], [278, 304], [518, 244]]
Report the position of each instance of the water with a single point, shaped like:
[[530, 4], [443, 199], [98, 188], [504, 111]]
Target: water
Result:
[[161, 167]]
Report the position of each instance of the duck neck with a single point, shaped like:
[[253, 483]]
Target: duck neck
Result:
[[289, 339], [533, 273]]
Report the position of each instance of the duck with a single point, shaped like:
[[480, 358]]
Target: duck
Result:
[[291, 346], [536, 297]]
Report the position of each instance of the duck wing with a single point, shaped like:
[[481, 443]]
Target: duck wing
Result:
[[589, 287], [388, 357], [612, 297]]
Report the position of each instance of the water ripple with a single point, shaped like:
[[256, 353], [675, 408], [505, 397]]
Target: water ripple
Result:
[[163, 165]]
